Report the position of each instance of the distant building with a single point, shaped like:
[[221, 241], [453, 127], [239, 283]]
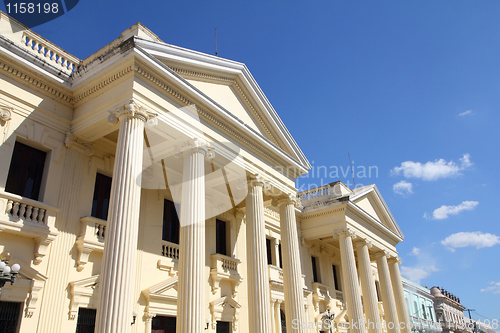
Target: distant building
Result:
[[420, 304], [449, 311]]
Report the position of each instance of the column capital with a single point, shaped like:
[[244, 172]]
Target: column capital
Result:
[[382, 253], [197, 146], [287, 199], [344, 232], [258, 180], [133, 110], [72, 142], [5, 113], [360, 241], [394, 259]]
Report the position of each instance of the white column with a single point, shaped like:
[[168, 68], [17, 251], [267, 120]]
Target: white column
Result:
[[277, 316], [399, 295], [192, 282], [276, 252], [292, 271], [273, 317], [352, 292], [116, 304], [390, 313], [368, 287], [257, 272]]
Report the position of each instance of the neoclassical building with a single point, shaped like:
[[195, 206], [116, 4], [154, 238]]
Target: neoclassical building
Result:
[[450, 312], [151, 188], [420, 304]]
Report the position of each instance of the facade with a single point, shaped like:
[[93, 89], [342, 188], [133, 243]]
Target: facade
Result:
[[150, 188], [420, 305], [450, 311]]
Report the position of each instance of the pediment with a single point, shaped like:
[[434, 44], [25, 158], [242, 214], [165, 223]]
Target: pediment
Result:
[[166, 289], [370, 201], [225, 301], [228, 88]]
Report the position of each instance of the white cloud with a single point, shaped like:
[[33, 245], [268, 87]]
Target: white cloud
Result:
[[444, 212], [466, 113], [476, 239], [433, 170], [415, 251], [403, 188], [493, 288], [417, 273]]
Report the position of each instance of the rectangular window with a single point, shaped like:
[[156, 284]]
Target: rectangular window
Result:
[[163, 324], [221, 237], [171, 224], [279, 256], [9, 316], [102, 193], [223, 327], [269, 252], [26, 171], [314, 262], [86, 320], [336, 278]]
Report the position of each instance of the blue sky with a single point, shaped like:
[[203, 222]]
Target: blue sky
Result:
[[412, 88]]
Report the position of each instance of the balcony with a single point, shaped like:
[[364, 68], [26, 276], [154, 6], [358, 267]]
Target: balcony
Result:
[[225, 268], [91, 239], [170, 257], [29, 218], [321, 295]]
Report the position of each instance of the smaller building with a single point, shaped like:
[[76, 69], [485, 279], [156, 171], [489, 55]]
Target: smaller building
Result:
[[420, 304], [450, 312]]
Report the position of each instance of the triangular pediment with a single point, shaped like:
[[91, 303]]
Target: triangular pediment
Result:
[[229, 88], [370, 201], [225, 301], [165, 289]]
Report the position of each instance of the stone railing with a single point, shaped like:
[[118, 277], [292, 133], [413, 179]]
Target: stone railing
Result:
[[323, 194], [275, 274], [49, 52], [224, 268], [29, 218], [91, 239], [170, 250], [321, 293]]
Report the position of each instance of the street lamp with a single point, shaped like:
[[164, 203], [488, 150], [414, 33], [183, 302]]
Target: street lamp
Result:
[[7, 273]]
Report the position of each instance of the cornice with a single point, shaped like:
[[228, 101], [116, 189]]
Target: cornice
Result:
[[191, 73], [104, 83], [10, 70], [306, 217]]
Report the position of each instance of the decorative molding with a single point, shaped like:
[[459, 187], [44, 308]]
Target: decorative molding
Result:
[[344, 232], [203, 75], [258, 180], [5, 114], [133, 110], [72, 142], [83, 293], [394, 259], [322, 213], [225, 309], [64, 96], [103, 83]]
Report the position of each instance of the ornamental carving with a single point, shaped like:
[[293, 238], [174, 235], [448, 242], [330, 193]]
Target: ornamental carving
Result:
[[5, 114], [78, 144], [133, 110]]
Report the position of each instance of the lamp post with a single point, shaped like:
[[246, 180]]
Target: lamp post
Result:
[[7, 273]]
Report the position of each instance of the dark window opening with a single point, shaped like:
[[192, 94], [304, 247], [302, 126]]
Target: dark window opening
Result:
[[336, 278], [223, 327], [9, 316], [279, 255], [221, 237], [269, 252], [423, 311], [377, 288], [283, 321], [171, 224], [102, 193], [163, 324], [26, 171], [315, 269], [86, 320]]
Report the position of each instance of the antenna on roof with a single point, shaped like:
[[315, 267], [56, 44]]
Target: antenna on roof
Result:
[[216, 41], [352, 170]]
